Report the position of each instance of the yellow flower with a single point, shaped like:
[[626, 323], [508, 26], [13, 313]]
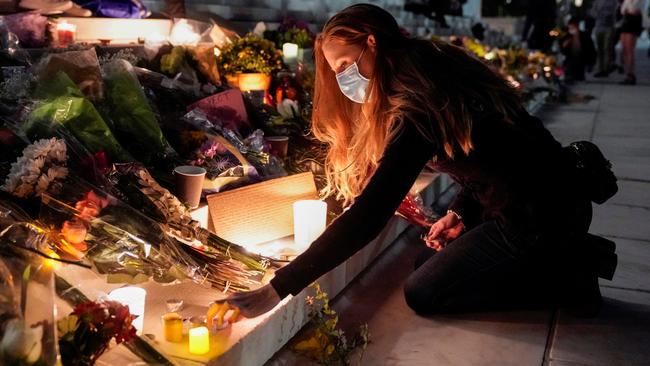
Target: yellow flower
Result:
[[67, 325]]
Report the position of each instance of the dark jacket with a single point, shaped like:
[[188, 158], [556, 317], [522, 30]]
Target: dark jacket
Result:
[[517, 173]]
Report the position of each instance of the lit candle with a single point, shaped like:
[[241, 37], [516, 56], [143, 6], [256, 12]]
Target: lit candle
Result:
[[309, 220], [66, 33], [133, 297], [173, 327], [199, 341], [253, 81], [290, 53]]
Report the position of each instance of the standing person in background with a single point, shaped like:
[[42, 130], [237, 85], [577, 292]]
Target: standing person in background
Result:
[[604, 14], [540, 20], [630, 32]]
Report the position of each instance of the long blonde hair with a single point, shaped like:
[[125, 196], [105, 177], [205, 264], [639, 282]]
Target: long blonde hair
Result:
[[430, 79]]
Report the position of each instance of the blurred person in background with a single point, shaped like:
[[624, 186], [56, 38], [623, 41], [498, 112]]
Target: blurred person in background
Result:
[[579, 50], [631, 29], [604, 14], [540, 20]]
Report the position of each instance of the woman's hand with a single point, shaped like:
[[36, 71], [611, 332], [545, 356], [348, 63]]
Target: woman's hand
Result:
[[256, 302], [443, 231]]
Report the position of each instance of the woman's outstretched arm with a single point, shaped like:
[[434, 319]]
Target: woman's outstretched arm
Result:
[[398, 169]]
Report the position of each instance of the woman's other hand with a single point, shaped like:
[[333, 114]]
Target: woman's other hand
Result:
[[443, 231], [256, 302]]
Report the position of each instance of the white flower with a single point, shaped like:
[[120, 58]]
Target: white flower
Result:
[[21, 342], [34, 172], [288, 108]]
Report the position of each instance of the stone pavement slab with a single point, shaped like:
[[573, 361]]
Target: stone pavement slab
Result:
[[574, 125], [621, 222], [618, 336], [632, 193], [633, 270], [627, 122], [630, 155]]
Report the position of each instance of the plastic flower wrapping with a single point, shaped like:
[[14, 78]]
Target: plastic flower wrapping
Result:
[[26, 292]]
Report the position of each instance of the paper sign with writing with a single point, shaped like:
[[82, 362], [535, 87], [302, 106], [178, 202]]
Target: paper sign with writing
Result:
[[226, 107], [260, 212]]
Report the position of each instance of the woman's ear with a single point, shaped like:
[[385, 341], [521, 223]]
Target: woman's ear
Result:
[[371, 42]]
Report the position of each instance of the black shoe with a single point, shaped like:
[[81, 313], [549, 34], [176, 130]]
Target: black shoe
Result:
[[629, 80], [601, 74]]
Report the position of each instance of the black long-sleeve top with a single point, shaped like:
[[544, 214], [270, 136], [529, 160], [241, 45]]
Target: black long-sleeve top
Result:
[[510, 175]]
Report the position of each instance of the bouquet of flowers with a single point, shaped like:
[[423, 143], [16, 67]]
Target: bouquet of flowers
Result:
[[132, 115], [120, 242], [231, 266], [86, 333], [249, 54], [62, 104]]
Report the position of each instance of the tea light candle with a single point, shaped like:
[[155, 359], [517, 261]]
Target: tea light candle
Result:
[[309, 220], [199, 341], [66, 33], [173, 327], [290, 53], [134, 298]]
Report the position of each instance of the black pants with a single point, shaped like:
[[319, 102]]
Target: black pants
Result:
[[493, 267]]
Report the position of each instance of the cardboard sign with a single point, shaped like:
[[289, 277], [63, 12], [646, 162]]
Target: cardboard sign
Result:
[[260, 212], [226, 107]]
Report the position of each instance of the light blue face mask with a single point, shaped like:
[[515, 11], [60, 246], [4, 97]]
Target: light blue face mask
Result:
[[352, 84]]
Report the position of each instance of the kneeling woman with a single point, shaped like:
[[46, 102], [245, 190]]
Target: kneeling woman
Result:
[[388, 105]]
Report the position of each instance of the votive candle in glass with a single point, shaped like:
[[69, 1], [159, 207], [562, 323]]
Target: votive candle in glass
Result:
[[172, 327]]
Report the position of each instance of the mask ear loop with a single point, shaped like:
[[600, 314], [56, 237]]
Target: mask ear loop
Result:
[[361, 55]]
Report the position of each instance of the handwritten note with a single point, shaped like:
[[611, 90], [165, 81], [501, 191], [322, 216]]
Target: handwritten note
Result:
[[260, 212]]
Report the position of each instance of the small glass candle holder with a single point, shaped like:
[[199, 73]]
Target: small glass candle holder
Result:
[[174, 305]]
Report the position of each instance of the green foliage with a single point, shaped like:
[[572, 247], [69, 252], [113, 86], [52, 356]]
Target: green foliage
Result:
[[171, 63], [299, 36], [249, 54], [328, 345]]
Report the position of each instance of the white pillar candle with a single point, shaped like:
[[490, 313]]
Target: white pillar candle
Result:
[[134, 298], [290, 53], [199, 341], [309, 220]]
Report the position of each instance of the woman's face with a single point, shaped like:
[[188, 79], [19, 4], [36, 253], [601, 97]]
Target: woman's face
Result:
[[340, 55]]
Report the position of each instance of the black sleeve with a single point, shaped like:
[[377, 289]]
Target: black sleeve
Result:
[[399, 167], [467, 207]]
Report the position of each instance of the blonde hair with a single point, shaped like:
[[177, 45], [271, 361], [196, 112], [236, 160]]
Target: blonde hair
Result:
[[432, 80]]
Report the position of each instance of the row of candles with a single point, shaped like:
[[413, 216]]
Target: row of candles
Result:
[[66, 33], [134, 298], [310, 218]]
